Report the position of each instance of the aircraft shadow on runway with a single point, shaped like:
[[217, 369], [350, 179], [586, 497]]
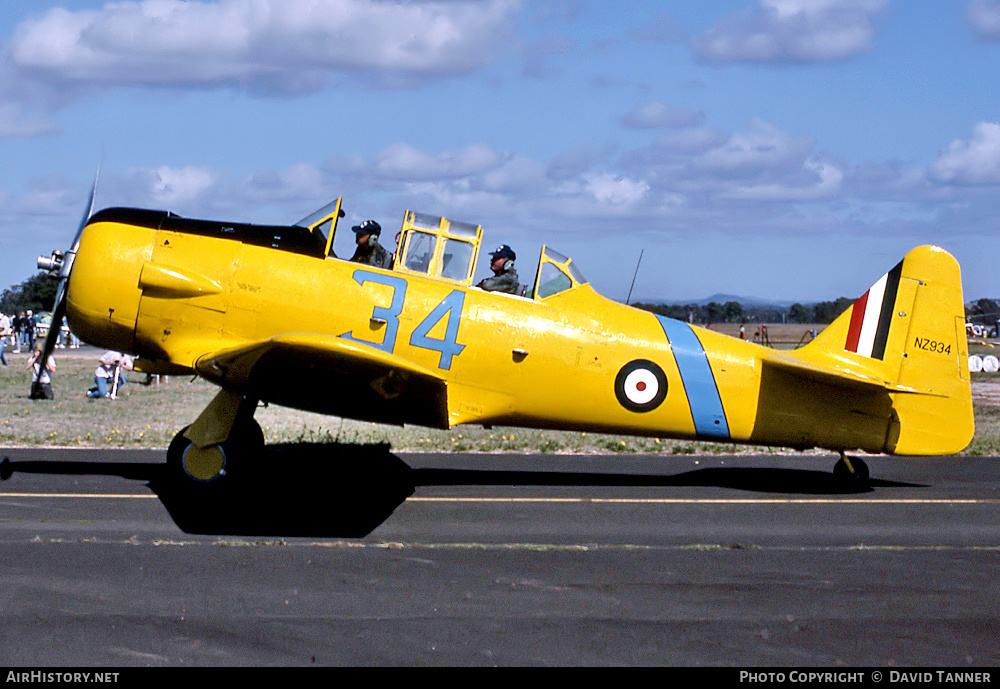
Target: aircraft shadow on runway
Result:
[[346, 491]]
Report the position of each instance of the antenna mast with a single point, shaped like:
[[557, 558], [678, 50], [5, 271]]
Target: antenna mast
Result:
[[629, 297]]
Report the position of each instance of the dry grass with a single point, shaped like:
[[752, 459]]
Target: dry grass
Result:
[[150, 416], [986, 404]]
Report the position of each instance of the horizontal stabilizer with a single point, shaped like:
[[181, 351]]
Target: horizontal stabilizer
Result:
[[839, 376]]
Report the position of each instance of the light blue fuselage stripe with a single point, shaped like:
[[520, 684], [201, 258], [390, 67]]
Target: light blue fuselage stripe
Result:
[[696, 375]]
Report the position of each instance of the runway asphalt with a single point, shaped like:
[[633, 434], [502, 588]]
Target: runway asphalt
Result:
[[355, 556]]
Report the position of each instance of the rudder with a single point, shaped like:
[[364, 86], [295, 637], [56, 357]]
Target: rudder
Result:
[[937, 418]]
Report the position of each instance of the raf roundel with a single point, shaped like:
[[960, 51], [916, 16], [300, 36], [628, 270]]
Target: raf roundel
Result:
[[641, 386]]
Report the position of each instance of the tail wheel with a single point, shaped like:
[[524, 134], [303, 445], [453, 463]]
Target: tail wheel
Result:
[[851, 471]]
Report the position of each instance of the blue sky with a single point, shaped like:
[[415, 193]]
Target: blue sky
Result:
[[786, 149]]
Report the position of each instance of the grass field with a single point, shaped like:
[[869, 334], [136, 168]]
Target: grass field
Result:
[[780, 335], [150, 416]]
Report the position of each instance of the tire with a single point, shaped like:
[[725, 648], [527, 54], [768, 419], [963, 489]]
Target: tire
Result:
[[216, 463], [857, 477]]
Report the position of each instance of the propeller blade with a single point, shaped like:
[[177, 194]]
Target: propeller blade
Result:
[[86, 213], [55, 325], [59, 307]]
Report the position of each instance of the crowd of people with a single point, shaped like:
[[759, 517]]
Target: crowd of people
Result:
[[21, 332], [110, 376], [24, 328]]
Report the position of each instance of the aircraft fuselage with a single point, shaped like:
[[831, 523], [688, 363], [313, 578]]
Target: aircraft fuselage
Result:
[[178, 290]]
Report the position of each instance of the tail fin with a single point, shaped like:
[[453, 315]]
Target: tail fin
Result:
[[909, 330]]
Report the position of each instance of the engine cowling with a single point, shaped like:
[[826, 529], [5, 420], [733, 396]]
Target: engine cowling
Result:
[[104, 291]]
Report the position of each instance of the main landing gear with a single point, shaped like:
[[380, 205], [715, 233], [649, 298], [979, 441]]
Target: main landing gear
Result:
[[851, 471], [219, 445]]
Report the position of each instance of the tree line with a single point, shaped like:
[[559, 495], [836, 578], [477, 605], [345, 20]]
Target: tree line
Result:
[[735, 312], [983, 311], [37, 293]]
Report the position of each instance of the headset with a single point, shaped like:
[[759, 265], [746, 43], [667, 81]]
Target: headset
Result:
[[508, 263]]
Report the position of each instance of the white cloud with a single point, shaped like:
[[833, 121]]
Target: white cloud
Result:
[[473, 180], [985, 18], [657, 114], [763, 147], [404, 162], [15, 124], [47, 202], [793, 31], [577, 160], [301, 182], [516, 175], [539, 56], [282, 46], [973, 161], [713, 170], [612, 190], [728, 184], [824, 182], [679, 145], [173, 188]]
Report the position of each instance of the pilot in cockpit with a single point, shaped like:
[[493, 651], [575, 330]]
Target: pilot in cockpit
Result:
[[369, 250], [504, 276]]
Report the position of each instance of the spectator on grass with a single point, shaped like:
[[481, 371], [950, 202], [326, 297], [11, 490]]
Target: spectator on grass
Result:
[[112, 368], [41, 380]]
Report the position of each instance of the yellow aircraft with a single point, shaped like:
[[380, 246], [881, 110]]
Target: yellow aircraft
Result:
[[268, 313]]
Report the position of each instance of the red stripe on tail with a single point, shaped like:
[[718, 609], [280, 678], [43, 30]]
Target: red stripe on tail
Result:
[[857, 320]]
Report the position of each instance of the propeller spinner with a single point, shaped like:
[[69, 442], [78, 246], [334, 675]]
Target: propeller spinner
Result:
[[60, 265]]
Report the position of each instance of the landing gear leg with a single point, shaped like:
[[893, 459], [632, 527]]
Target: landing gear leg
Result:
[[219, 443], [851, 471]]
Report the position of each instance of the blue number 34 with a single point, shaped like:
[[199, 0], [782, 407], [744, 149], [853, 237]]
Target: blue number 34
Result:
[[450, 308]]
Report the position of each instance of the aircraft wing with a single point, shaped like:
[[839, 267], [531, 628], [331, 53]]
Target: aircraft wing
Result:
[[331, 375]]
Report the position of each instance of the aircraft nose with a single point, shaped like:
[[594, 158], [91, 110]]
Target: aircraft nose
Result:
[[103, 293]]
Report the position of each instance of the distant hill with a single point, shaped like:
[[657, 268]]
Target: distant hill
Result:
[[754, 302]]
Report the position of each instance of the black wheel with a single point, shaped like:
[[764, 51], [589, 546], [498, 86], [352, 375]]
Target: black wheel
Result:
[[851, 471], [175, 454], [214, 464]]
